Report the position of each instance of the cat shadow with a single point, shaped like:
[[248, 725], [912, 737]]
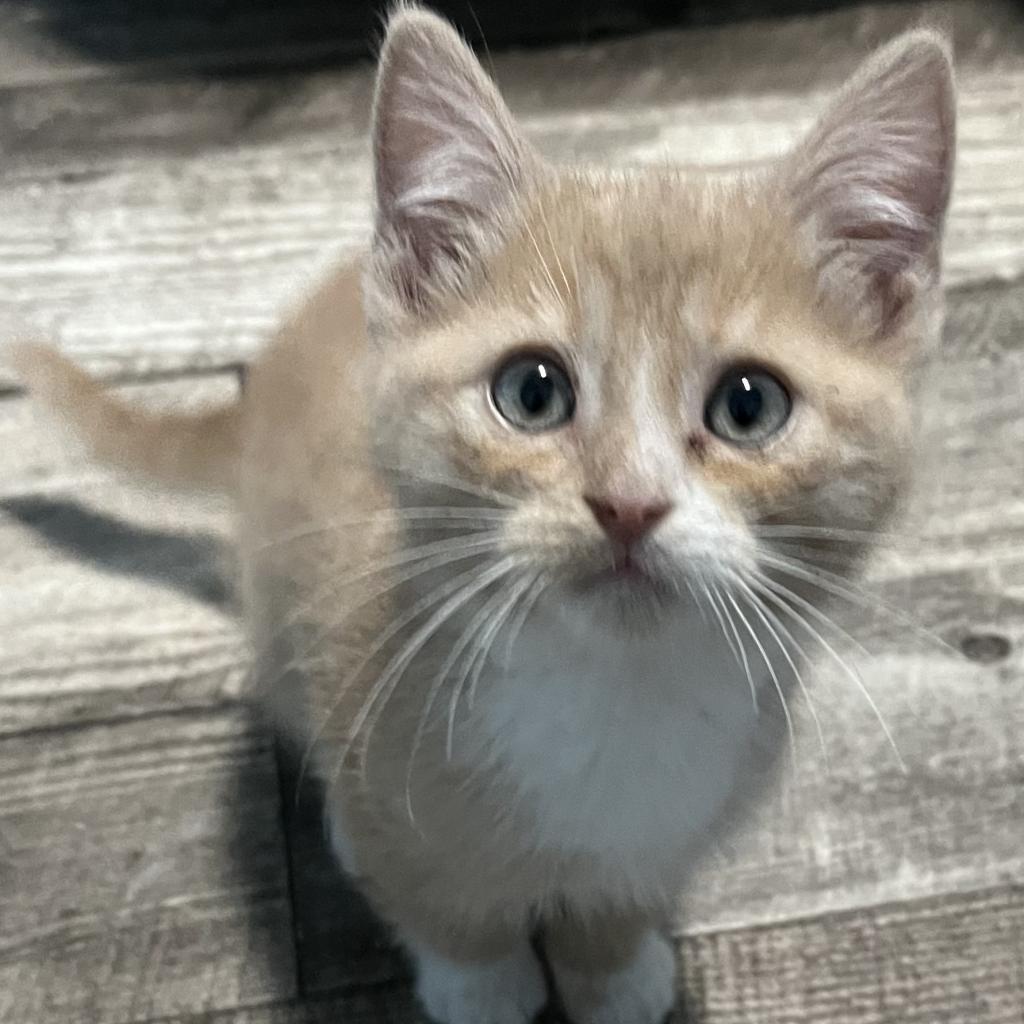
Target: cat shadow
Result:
[[339, 942], [186, 563]]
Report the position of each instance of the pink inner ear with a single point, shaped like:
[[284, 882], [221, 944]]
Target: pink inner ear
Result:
[[447, 154], [874, 177]]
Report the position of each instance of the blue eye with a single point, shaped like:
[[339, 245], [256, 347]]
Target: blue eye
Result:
[[747, 407], [533, 393]]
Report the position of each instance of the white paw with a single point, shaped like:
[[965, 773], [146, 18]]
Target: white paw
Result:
[[506, 991], [642, 992]]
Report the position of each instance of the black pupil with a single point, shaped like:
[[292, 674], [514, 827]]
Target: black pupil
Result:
[[536, 391], [745, 404]]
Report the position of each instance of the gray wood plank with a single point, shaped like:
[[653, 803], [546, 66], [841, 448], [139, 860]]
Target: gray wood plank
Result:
[[387, 1004], [952, 960], [945, 961], [113, 601], [142, 872], [156, 225]]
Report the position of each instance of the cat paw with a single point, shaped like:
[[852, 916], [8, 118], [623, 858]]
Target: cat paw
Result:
[[642, 992], [506, 991]]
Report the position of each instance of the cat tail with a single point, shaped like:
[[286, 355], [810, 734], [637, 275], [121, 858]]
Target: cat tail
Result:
[[179, 450]]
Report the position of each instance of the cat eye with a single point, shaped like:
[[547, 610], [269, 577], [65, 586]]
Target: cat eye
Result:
[[533, 392], [747, 407]]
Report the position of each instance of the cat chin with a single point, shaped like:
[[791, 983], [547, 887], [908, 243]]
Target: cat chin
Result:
[[635, 602]]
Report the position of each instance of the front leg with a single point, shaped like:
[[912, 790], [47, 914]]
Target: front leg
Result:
[[493, 981], [612, 970]]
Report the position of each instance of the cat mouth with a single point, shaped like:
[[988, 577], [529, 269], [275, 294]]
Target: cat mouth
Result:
[[627, 575]]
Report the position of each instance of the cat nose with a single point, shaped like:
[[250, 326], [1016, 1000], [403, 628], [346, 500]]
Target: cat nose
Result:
[[627, 521]]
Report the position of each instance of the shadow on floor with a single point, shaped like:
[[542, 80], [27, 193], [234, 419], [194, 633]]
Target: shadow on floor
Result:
[[189, 564]]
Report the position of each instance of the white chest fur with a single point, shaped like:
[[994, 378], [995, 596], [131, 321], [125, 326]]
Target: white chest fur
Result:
[[619, 745]]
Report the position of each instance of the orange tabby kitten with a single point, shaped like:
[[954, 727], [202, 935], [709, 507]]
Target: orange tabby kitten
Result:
[[514, 501]]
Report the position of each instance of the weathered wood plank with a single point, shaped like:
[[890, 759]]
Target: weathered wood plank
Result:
[[155, 225], [389, 1004], [142, 870], [945, 961], [951, 960], [113, 597]]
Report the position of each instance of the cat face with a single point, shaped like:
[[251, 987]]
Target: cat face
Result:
[[654, 377]]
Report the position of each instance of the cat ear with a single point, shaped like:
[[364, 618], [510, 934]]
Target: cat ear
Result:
[[448, 159], [871, 183]]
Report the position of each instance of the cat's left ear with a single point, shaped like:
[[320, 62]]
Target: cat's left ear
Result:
[[871, 183], [448, 161]]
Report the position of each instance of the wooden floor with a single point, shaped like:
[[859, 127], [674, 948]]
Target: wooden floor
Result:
[[156, 862]]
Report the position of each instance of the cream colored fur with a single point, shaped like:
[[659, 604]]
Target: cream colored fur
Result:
[[507, 745]]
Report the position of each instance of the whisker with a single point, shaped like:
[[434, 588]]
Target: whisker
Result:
[[425, 558], [543, 263], [519, 622], [399, 517], [483, 652], [768, 617], [423, 604], [841, 587], [395, 669], [739, 647], [721, 622], [695, 597], [829, 533], [476, 625], [475, 490], [775, 593], [771, 672], [554, 252]]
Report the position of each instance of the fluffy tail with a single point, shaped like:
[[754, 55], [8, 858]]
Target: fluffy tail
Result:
[[192, 452]]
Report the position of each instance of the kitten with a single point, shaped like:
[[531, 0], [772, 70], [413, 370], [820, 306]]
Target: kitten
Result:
[[517, 502]]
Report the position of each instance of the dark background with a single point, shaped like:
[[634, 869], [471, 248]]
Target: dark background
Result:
[[236, 36]]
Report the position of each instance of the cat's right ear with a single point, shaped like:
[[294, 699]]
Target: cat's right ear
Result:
[[448, 162]]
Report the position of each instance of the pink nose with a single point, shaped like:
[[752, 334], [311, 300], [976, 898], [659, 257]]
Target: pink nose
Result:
[[626, 521]]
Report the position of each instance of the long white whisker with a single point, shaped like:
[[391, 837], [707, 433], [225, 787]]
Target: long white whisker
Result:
[[479, 658], [398, 517], [393, 672], [739, 647], [729, 639], [475, 490], [775, 593], [425, 559], [476, 624], [771, 672], [519, 621], [775, 626], [385, 637], [828, 533], [838, 586]]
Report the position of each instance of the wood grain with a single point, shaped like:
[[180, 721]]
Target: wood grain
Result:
[[166, 224], [944, 961], [114, 597], [142, 872], [951, 960]]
